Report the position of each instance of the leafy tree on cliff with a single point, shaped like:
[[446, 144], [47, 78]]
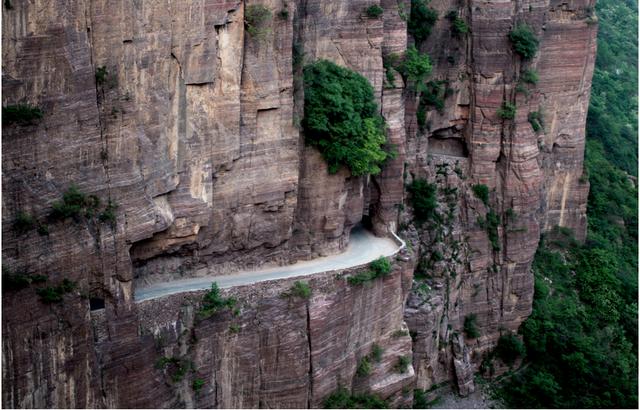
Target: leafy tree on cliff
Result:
[[342, 120]]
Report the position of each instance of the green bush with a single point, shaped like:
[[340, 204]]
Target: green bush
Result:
[[507, 111], [376, 353], [433, 94], [24, 222], [380, 266], [403, 364], [256, 18], [415, 66], [54, 294], [471, 326], [74, 204], [421, 20], [482, 192], [109, 214], [364, 367], [342, 118], [21, 114], [509, 348], [423, 200], [530, 76], [197, 385], [374, 11], [14, 281], [536, 120], [300, 290], [342, 399], [178, 367], [101, 75], [212, 302], [524, 41], [458, 25], [493, 221]]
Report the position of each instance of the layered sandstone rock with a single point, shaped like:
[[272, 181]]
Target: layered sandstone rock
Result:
[[193, 132]]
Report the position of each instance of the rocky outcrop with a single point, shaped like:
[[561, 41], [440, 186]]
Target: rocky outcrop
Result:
[[534, 178], [189, 123]]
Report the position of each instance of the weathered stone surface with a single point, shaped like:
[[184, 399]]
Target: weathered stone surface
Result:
[[194, 134]]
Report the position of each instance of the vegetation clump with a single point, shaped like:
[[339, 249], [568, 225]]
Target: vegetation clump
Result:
[[21, 114], [374, 11], [482, 192], [342, 119], [471, 326], [55, 294], [24, 222], [212, 302], [507, 111], [256, 18], [509, 348], [458, 25], [536, 120], [342, 399], [197, 385], [14, 281], [300, 290], [530, 76], [177, 368], [524, 41], [76, 204], [403, 364], [101, 75], [380, 266], [423, 200], [364, 367], [416, 66], [421, 20]]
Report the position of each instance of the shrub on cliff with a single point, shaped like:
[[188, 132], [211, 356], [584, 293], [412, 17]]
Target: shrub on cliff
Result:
[[530, 76], [341, 118], [524, 41], [509, 348], [415, 66], [380, 266], [212, 302], [21, 114], [471, 326], [423, 200], [507, 111], [256, 17], [342, 399], [374, 11], [300, 290], [482, 192], [421, 21]]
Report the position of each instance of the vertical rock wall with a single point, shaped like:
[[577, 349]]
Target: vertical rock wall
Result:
[[192, 130]]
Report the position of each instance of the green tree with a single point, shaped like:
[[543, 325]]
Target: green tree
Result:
[[342, 119]]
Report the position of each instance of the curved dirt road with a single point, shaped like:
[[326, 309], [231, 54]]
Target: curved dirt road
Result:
[[363, 248]]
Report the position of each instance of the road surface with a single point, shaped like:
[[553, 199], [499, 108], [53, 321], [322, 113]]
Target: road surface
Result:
[[363, 248]]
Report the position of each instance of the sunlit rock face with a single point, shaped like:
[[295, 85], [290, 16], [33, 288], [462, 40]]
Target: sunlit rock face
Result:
[[192, 128]]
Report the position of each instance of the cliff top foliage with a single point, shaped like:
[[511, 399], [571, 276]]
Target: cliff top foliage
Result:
[[524, 41], [421, 20], [342, 120], [213, 302]]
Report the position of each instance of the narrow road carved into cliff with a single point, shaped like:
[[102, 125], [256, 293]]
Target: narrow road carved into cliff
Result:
[[363, 248]]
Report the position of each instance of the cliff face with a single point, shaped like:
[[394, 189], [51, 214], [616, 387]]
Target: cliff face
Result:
[[192, 129]]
